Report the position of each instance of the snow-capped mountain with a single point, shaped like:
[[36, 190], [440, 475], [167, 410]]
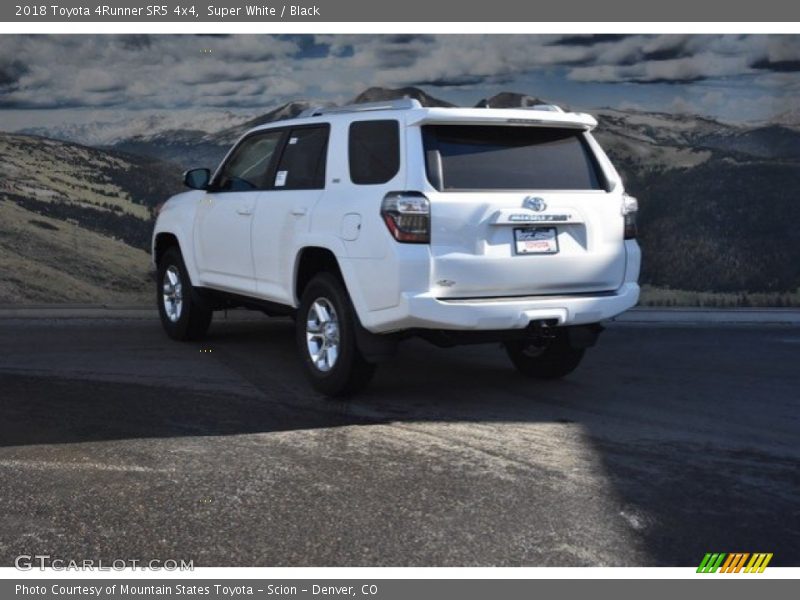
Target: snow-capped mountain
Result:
[[145, 127], [788, 118], [380, 94], [191, 148], [509, 100], [289, 110]]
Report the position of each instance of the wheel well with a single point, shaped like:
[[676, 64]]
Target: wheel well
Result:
[[164, 241], [312, 261]]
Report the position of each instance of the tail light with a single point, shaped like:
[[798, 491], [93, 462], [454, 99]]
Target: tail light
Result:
[[408, 217], [630, 206]]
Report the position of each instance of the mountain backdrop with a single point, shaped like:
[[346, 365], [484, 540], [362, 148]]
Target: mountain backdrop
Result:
[[718, 202]]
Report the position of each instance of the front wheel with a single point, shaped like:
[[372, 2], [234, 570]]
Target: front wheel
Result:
[[326, 338], [545, 358], [183, 315]]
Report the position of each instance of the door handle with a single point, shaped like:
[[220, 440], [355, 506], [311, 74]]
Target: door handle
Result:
[[244, 211], [299, 212]]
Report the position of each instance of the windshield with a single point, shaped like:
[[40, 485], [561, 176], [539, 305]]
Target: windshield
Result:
[[492, 157]]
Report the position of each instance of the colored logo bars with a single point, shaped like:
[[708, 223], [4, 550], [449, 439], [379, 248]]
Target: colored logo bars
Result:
[[734, 563]]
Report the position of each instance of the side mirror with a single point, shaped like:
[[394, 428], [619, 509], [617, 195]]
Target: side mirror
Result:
[[197, 179]]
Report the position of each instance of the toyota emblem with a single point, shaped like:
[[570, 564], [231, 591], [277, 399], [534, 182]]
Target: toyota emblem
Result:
[[534, 203]]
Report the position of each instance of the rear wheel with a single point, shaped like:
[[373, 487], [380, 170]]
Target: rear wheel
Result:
[[545, 358], [183, 315], [326, 338]]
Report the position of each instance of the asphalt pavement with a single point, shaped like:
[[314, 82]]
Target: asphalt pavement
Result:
[[667, 443]]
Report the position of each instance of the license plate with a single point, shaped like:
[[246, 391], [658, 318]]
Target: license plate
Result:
[[535, 240]]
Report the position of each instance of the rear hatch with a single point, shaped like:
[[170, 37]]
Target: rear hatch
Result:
[[520, 211]]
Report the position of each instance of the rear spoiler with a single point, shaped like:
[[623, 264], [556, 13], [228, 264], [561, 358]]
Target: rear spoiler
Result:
[[530, 117]]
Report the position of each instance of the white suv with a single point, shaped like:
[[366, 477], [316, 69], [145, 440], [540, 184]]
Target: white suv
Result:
[[376, 222]]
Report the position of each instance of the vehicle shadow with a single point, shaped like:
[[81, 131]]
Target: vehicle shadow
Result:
[[695, 431]]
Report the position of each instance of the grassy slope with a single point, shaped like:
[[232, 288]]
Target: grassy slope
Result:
[[53, 171], [44, 260], [75, 222], [655, 296]]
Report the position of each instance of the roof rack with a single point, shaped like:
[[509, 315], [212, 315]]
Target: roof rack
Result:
[[400, 104], [539, 106], [546, 107]]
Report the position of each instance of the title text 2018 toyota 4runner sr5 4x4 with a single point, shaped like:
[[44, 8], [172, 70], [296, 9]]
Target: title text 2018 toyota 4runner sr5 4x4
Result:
[[372, 223]]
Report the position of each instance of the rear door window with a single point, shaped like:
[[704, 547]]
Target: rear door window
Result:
[[374, 151], [478, 157], [302, 164]]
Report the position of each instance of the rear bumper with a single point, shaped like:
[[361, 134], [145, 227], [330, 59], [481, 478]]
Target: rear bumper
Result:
[[427, 312]]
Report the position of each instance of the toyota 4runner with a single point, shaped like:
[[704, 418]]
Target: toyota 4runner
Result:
[[376, 222]]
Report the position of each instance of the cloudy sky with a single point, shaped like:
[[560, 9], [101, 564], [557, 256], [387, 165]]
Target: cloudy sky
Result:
[[50, 79]]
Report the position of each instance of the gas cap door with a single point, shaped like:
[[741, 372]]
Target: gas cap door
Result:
[[351, 227]]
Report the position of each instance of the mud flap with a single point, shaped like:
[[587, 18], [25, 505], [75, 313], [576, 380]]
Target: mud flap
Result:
[[374, 347], [583, 336]]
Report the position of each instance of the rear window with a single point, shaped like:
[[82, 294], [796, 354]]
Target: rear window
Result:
[[490, 157], [374, 151]]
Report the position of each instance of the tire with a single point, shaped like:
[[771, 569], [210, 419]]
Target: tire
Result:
[[183, 315], [554, 360], [326, 339]]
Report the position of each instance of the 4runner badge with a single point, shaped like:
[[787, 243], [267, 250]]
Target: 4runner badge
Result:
[[534, 203]]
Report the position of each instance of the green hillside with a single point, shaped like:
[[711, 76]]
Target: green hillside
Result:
[[75, 222]]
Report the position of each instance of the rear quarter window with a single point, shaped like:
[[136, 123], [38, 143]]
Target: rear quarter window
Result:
[[478, 157], [374, 151]]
